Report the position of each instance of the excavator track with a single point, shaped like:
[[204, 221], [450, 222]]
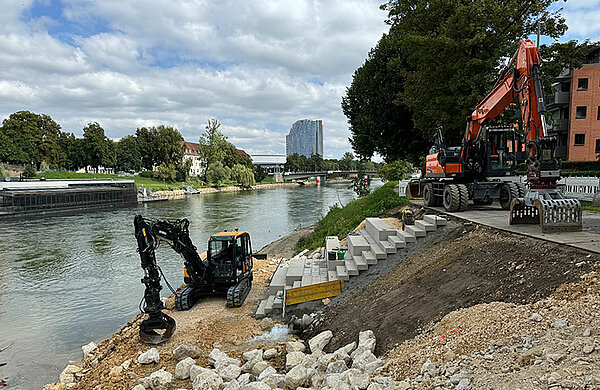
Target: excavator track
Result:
[[183, 299], [236, 295]]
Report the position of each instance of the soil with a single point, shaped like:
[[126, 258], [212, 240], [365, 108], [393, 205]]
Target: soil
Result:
[[286, 246], [472, 265]]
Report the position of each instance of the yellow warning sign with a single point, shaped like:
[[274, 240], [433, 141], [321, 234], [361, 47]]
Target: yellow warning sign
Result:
[[313, 292]]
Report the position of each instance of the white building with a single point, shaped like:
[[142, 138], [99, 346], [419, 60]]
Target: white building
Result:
[[272, 163], [191, 153]]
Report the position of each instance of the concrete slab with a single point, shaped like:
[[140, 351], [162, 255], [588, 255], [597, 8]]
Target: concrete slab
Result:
[[351, 267], [306, 280], [387, 247], [332, 264], [260, 312], [378, 229], [397, 242], [332, 275], [357, 244], [493, 216], [361, 264], [278, 280], [369, 257], [415, 231], [278, 303], [342, 272], [436, 220], [373, 245], [427, 226], [294, 274], [269, 305], [406, 236]]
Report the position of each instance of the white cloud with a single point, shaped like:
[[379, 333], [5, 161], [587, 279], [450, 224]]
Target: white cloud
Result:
[[257, 66]]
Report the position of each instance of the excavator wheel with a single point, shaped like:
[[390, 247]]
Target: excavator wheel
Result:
[[508, 192], [236, 295], [451, 197], [464, 197], [429, 200]]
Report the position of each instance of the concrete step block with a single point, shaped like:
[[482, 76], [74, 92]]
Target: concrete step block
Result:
[[294, 273], [306, 280], [331, 264], [360, 262], [415, 231], [270, 303], [351, 267], [397, 242], [357, 244], [373, 245], [342, 272], [278, 281], [297, 283], [332, 275], [278, 303], [369, 257], [260, 311], [428, 227], [379, 229], [406, 236], [317, 279], [435, 219], [387, 247]]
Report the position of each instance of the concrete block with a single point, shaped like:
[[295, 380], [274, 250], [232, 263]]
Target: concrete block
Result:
[[357, 244], [387, 246], [270, 303], [317, 279], [294, 273], [361, 264], [342, 272], [378, 229], [369, 257], [428, 227], [397, 242], [297, 283], [260, 311], [332, 275], [278, 303], [435, 219], [278, 281], [415, 231], [373, 245], [306, 280], [331, 264], [406, 236], [351, 267]]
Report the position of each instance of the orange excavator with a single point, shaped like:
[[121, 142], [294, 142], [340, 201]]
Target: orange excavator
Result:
[[478, 169]]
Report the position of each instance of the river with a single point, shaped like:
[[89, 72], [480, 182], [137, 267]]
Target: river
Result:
[[69, 279]]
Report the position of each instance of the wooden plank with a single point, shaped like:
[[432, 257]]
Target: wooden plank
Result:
[[313, 292]]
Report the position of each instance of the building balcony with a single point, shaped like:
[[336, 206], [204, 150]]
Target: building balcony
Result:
[[557, 99], [559, 125]]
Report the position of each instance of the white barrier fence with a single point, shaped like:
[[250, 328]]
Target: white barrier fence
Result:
[[582, 188]]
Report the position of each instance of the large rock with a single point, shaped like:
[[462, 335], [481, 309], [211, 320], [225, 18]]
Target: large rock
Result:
[[182, 369], [197, 370], [138, 387], [160, 380], [295, 377], [336, 367], [259, 367], [255, 354], [373, 366], [233, 385], [244, 379], [216, 355], [429, 368], [256, 386], [366, 342], [89, 348], [292, 346], [185, 351], [357, 379], [229, 373], [292, 359], [361, 361], [267, 372], [207, 380], [270, 353], [266, 324], [148, 357], [319, 342]]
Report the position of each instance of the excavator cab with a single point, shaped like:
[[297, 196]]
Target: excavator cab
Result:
[[230, 253]]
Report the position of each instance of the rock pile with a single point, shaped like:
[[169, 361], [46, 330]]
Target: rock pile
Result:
[[352, 367]]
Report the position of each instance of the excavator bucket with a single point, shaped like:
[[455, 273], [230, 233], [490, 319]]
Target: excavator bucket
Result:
[[553, 215], [157, 328]]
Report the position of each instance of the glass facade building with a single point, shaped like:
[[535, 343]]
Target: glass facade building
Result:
[[305, 138]]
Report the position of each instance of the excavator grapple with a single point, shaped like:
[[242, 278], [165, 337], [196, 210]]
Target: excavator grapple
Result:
[[552, 213]]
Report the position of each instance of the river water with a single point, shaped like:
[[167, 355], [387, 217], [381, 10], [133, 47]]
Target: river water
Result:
[[69, 279]]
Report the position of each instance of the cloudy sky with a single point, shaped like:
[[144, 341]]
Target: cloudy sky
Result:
[[257, 66]]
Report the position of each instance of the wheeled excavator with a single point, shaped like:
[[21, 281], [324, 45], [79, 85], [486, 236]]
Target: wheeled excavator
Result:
[[489, 152], [225, 269]]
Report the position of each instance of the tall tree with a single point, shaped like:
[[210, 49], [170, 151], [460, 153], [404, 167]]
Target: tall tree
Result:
[[99, 150], [145, 141], [128, 154], [213, 147], [167, 145]]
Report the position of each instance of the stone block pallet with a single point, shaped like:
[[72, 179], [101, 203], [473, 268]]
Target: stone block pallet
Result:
[[365, 248]]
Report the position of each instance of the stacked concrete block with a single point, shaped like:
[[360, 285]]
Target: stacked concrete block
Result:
[[365, 248]]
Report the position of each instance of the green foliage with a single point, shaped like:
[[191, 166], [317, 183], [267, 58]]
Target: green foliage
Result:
[[29, 172], [589, 206], [339, 221], [3, 172], [347, 162], [242, 175], [158, 145], [129, 158], [396, 170], [562, 55], [146, 174], [99, 150], [259, 173], [165, 172], [233, 156], [217, 173], [145, 141]]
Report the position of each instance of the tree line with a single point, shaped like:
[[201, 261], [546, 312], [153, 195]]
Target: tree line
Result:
[[435, 64], [316, 163], [37, 142]]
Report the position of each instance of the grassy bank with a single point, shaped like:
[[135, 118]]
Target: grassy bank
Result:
[[585, 205], [340, 220], [156, 185]]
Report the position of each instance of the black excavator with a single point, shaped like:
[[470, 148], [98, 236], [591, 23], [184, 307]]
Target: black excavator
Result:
[[225, 269]]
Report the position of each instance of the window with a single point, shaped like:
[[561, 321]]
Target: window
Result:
[[579, 139], [582, 84], [597, 145], [581, 112]]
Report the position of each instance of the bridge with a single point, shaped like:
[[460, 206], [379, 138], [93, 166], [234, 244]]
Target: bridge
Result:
[[321, 175]]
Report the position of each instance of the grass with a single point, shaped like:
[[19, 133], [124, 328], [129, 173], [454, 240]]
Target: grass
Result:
[[341, 220], [585, 205]]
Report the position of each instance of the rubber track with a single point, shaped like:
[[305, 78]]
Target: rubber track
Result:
[[236, 295], [464, 197], [182, 298]]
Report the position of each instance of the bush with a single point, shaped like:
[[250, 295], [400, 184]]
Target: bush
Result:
[[217, 174], [242, 175], [340, 220], [166, 172], [29, 172], [396, 170], [259, 173], [146, 174]]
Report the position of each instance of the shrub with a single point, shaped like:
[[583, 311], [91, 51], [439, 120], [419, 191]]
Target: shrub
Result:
[[29, 172]]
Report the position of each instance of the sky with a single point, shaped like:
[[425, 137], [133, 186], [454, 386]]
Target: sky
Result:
[[257, 66]]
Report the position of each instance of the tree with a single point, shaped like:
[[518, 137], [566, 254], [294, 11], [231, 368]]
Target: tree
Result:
[[292, 163], [347, 162], [99, 150], [259, 173], [396, 170], [242, 175], [29, 172], [234, 156], [145, 143], [166, 172], [167, 145], [562, 55], [315, 163], [213, 146], [217, 173], [129, 158]]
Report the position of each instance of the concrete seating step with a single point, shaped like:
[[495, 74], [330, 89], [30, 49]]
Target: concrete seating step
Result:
[[331, 264], [351, 267], [406, 236], [306, 280], [278, 303], [278, 281], [414, 230], [361, 264], [297, 283], [332, 275], [397, 242], [357, 244], [435, 219], [387, 246], [294, 273], [342, 272], [369, 257], [317, 279], [260, 311], [427, 226], [374, 246], [378, 229], [270, 303]]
